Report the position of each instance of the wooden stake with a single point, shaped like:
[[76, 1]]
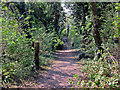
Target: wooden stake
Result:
[[36, 56]]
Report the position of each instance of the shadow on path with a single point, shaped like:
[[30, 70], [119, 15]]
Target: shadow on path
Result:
[[63, 69]]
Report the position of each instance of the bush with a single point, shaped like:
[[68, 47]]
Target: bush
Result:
[[100, 73]]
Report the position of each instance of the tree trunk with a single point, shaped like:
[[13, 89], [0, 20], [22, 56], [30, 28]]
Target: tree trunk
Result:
[[96, 33], [36, 56]]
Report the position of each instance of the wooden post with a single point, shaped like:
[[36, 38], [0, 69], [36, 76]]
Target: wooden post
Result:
[[36, 56]]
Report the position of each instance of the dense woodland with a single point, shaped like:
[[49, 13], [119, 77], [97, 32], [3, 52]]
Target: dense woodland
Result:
[[91, 27]]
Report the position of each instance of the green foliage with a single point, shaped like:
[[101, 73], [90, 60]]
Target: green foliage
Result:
[[103, 73], [57, 43], [18, 55], [18, 52], [47, 24], [117, 22]]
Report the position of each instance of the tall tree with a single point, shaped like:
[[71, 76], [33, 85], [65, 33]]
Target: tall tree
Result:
[[96, 32]]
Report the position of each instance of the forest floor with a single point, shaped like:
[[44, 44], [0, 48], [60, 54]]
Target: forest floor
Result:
[[62, 69], [59, 72]]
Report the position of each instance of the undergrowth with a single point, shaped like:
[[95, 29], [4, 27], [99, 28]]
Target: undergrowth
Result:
[[101, 73]]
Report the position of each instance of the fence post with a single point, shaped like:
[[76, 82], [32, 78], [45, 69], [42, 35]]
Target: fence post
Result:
[[36, 56]]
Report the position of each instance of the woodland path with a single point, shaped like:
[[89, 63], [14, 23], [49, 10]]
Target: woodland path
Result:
[[63, 69]]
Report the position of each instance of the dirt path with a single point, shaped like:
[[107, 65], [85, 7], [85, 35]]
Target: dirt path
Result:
[[61, 71]]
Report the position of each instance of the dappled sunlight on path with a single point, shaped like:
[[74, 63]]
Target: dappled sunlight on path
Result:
[[63, 69]]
